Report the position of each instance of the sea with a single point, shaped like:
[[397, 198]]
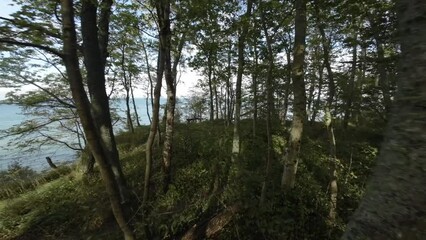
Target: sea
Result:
[[11, 153]]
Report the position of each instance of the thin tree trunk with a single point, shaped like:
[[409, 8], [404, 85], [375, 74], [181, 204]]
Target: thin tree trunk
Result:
[[210, 73], [126, 84], [128, 113], [216, 98], [316, 105], [287, 86], [394, 203], [312, 84], [83, 107], [138, 123], [147, 100], [299, 105], [254, 87], [155, 119], [270, 103], [241, 45], [328, 119], [351, 85], [383, 77], [229, 90]]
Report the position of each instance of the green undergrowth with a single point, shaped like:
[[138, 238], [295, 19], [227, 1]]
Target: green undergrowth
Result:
[[17, 179], [205, 183]]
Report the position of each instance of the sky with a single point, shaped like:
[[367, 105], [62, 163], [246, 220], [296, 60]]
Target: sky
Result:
[[188, 76]]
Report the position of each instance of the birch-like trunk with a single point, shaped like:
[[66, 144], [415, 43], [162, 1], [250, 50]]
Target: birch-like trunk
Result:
[[299, 105], [328, 120]]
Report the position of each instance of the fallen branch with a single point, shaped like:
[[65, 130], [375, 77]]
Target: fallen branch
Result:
[[210, 228]]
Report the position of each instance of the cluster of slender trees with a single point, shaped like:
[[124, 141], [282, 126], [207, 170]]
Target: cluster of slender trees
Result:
[[274, 60]]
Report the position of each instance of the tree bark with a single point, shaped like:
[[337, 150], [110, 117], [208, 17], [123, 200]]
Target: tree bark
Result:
[[394, 203], [299, 105], [84, 111]]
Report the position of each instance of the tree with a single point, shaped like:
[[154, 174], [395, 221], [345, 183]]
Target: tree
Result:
[[245, 20], [171, 66], [328, 115], [299, 105], [155, 111], [163, 12], [269, 105], [394, 203], [125, 55], [48, 107], [98, 131]]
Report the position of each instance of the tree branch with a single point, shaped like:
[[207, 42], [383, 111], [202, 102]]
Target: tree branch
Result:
[[28, 44], [32, 26]]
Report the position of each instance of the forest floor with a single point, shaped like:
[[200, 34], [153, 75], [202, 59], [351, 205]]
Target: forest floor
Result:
[[68, 204]]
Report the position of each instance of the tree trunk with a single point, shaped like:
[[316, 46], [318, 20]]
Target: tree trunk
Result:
[[383, 76], [128, 113], [163, 11], [351, 85], [287, 86], [229, 96], [312, 84], [270, 103], [216, 97], [83, 107], [241, 45], [317, 102], [126, 83], [299, 105], [150, 91], [155, 119], [210, 73], [328, 119], [138, 123], [254, 87], [395, 199], [94, 60]]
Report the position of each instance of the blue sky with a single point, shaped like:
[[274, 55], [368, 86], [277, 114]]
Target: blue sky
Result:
[[5, 10]]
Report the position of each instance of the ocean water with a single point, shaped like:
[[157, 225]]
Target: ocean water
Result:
[[11, 115]]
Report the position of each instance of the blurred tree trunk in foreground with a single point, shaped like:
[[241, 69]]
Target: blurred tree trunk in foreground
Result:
[[394, 206]]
